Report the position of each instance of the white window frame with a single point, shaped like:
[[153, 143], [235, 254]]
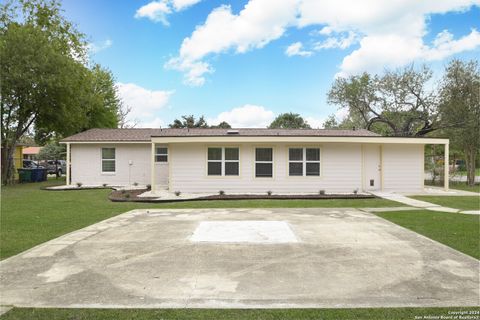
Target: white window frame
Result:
[[114, 160], [304, 161], [160, 154], [269, 162], [223, 161]]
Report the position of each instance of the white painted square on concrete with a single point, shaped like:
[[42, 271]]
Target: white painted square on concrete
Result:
[[244, 232]]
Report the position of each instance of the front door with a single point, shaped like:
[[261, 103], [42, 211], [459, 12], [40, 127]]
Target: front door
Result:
[[372, 167]]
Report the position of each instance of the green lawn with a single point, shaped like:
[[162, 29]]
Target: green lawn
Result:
[[30, 216], [232, 314], [458, 186], [459, 231], [457, 202]]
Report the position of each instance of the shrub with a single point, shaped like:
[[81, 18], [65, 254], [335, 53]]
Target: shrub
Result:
[[355, 191], [79, 184], [104, 185], [127, 195], [322, 192], [221, 192], [135, 184], [178, 193], [269, 192], [123, 191], [149, 187]]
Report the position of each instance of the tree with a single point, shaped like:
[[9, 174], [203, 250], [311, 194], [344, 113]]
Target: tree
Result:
[[46, 84], [222, 125], [460, 110], [189, 122], [398, 103], [123, 117], [289, 121]]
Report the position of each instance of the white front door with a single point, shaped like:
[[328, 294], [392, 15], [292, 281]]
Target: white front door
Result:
[[372, 167], [161, 170]]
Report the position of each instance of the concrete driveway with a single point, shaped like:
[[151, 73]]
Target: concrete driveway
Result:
[[241, 258]]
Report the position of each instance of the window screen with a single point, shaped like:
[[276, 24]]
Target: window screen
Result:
[[108, 159], [263, 162]]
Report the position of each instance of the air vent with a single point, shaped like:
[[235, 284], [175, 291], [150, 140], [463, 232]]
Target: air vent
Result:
[[232, 132]]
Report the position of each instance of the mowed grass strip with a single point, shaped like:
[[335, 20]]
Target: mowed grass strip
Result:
[[236, 314], [30, 216], [457, 202], [459, 231]]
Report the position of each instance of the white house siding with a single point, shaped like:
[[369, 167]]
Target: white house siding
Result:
[[340, 170], [86, 162], [403, 167]]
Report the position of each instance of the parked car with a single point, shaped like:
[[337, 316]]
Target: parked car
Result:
[[57, 167], [31, 164]]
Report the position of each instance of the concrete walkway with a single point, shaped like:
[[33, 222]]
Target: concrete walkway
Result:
[[420, 204]]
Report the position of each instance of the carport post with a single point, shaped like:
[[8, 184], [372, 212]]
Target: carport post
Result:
[[446, 168], [68, 165], [152, 169]]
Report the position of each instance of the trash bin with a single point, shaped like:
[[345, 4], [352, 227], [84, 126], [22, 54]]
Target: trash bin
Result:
[[39, 175], [24, 175]]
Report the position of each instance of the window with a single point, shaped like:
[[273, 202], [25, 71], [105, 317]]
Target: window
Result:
[[223, 161], [108, 159], [161, 154], [263, 162], [304, 162]]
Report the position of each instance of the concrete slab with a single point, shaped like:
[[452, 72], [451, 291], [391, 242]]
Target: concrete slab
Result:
[[470, 212], [243, 232], [344, 258]]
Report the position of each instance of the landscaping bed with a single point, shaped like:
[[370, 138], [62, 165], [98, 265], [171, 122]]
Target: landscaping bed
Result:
[[134, 196]]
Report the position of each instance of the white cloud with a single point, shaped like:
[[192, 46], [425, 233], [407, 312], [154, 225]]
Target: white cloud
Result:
[[295, 49], [337, 42], [255, 26], [99, 46], [390, 33], [144, 103], [247, 116], [157, 11], [315, 123], [154, 123]]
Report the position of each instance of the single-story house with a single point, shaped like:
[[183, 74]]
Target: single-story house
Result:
[[248, 160], [31, 153]]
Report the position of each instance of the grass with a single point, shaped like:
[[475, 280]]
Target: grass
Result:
[[30, 216], [458, 186], [457, 202], [459, 231], [235, 314]]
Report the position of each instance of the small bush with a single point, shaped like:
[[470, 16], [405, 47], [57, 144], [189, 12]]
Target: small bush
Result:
[[79, 184], [135, 184], [322, 192], [127, 195], [221, 192], [104, 185], [149, 187], [123, 191], [178, 193], [355, 191], [269, 192]]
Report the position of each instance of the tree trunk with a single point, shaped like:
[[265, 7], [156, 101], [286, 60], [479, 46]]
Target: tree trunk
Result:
[[8, 151], [470, 156]]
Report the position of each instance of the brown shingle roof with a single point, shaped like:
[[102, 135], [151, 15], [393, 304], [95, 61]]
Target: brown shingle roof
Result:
[[144, 134]]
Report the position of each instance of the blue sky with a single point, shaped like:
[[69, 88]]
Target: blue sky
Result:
[[246, 61]]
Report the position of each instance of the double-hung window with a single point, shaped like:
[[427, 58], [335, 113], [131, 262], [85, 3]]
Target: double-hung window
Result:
[[303, 162], [161, 154], [263, 162], [108, 160], [223, 161]]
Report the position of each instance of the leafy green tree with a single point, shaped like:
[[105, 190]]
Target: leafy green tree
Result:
[[399, 103], [52, 151], [460, 110], [222, 125], [289, 121], [189, 122], [47, 87]]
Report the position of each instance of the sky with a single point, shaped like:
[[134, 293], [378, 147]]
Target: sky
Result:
[[245, 62]]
